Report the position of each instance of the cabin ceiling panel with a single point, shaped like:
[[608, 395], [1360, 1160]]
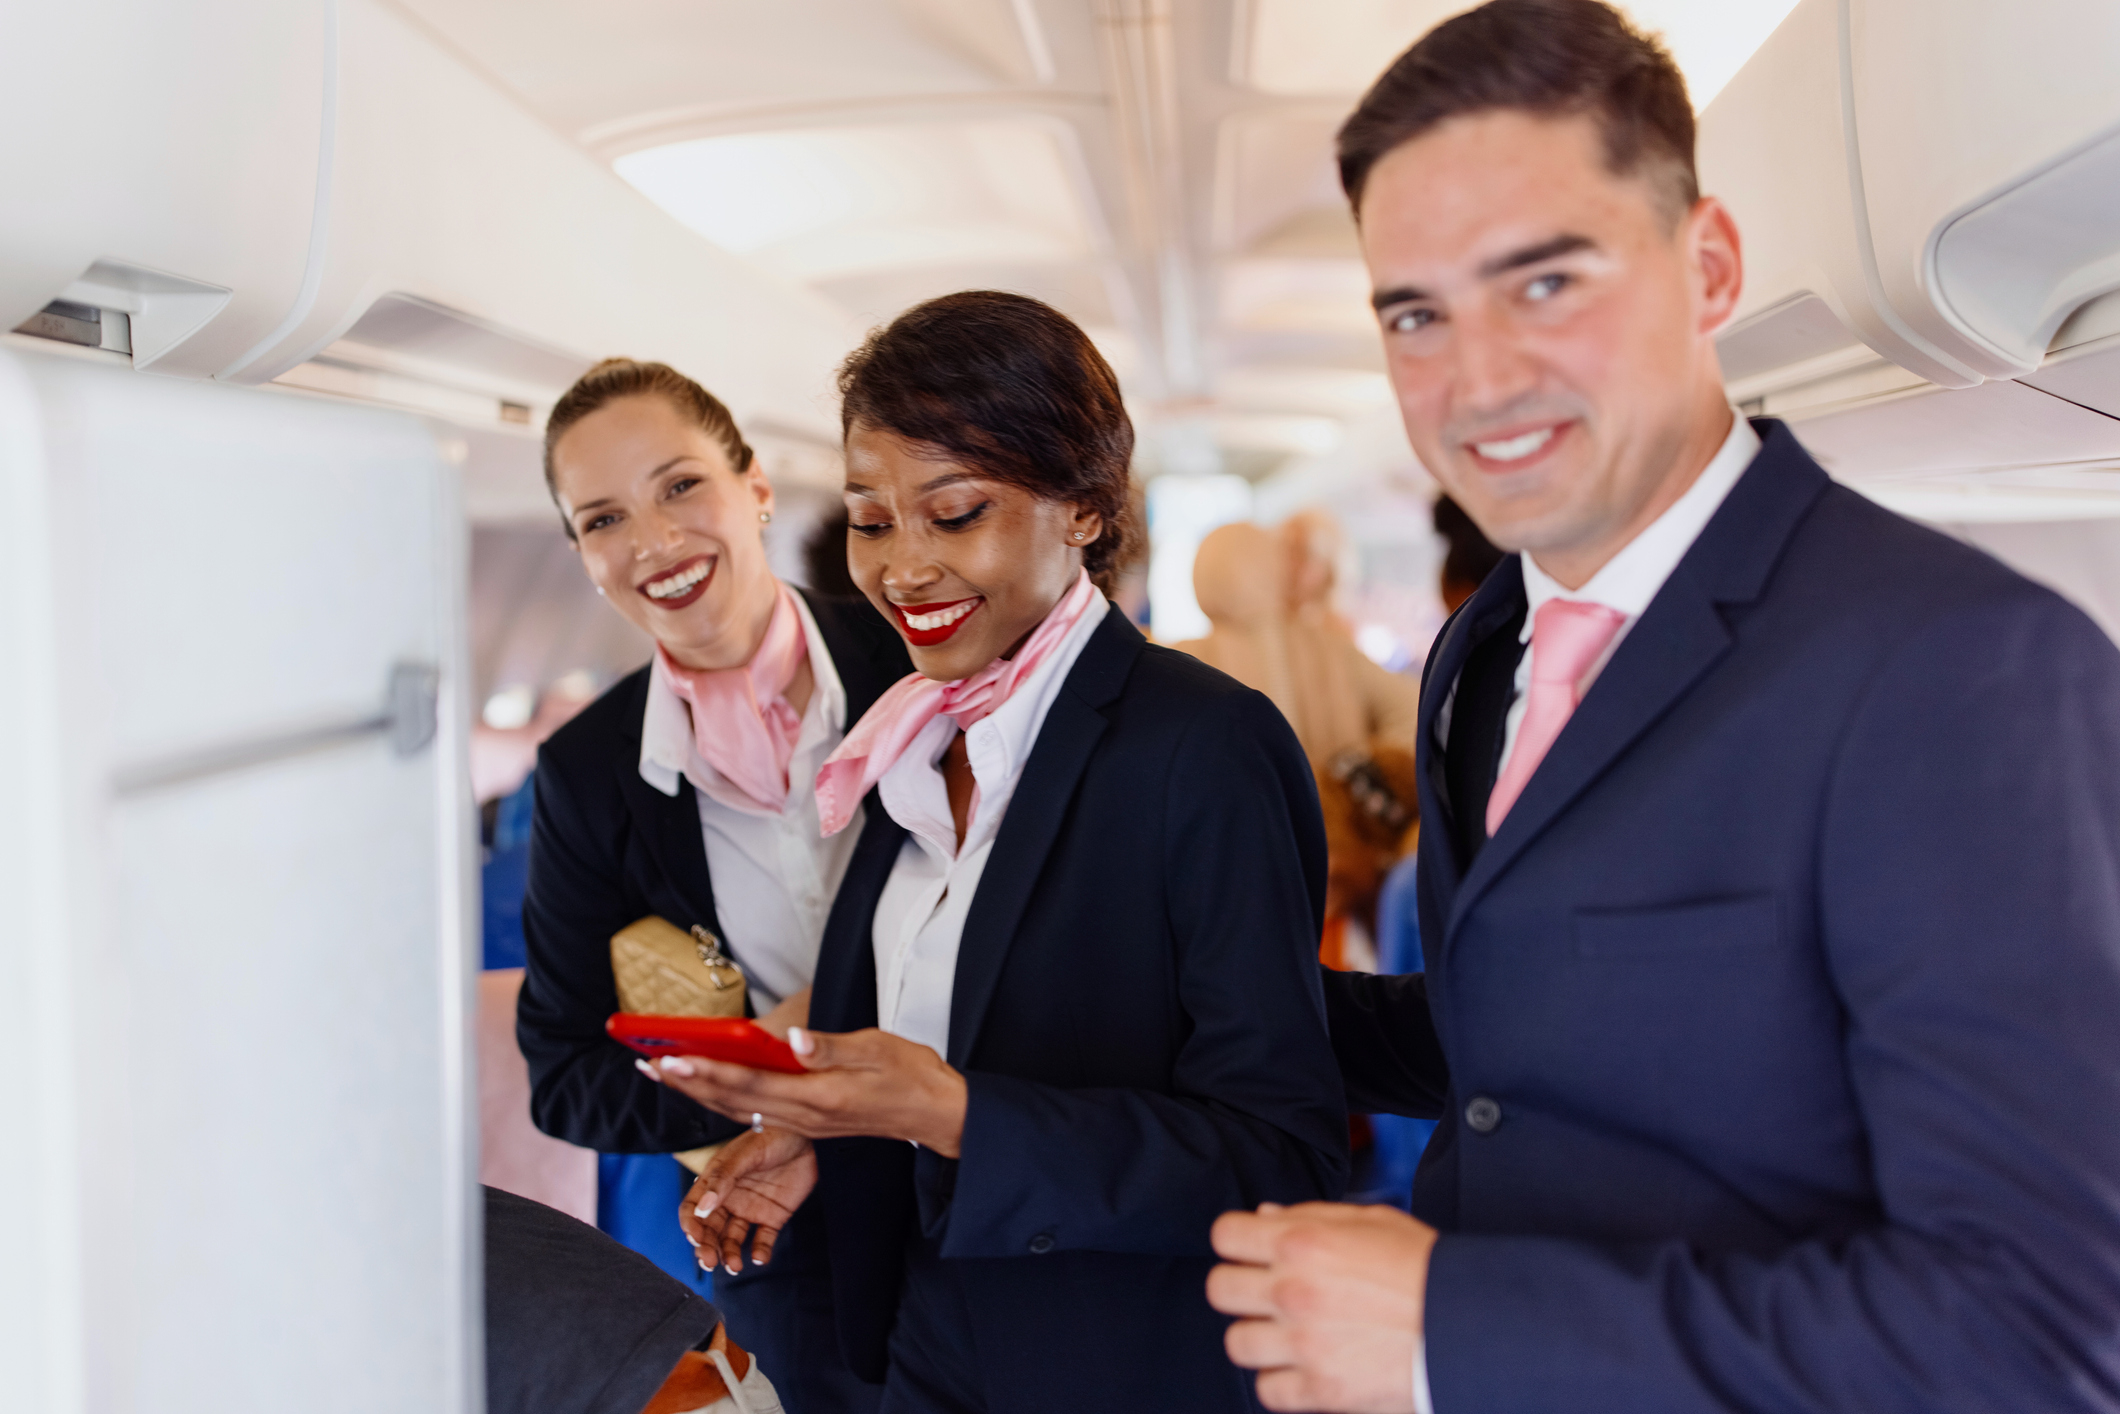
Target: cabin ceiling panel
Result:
[[1281, 47], [1284, 296], [832, 203], [1278, 191], [581, 66], [1080, 290]]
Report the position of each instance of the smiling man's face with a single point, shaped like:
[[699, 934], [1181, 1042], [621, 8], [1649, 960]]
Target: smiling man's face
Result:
[[1548, 329]]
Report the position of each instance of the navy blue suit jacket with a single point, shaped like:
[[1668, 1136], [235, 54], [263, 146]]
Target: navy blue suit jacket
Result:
[[1136, 1014], [608, 849], [1793, 980]]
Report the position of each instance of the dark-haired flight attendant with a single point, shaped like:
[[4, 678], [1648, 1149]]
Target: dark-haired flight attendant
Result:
[[686, 792], [1073, 961]]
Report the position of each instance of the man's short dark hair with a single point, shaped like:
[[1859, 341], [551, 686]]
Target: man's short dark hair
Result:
[[1555, 58]]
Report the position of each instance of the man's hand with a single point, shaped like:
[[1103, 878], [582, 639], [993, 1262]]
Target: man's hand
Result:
[[1329, 1299], [862, 1083], [750, 1188]]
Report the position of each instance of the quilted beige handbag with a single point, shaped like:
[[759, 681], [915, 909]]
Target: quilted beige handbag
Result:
[[663, 971]]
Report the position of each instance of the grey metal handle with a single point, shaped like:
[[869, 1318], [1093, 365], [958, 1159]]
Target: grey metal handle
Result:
[[408, 718]]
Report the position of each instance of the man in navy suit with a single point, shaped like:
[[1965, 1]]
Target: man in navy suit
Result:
[[1770, 869]]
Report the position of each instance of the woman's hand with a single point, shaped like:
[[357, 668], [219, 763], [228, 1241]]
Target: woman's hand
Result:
[[749, 1189], [862, 1083]]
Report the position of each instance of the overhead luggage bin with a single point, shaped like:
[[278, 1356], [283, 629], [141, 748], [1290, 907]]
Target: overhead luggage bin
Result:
[[257, 182], [1989, 147], [444, 195], [1942, 177], [1929, 192], [162, 164]]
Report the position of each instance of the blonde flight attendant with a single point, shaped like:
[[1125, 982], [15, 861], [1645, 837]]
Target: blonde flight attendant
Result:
[[686, 792]]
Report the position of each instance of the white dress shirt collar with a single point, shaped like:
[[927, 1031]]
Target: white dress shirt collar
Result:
[[667, 750], [919, 921], [1630, 579]]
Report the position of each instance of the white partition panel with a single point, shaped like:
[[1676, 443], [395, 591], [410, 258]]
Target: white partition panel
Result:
[[235, 952]]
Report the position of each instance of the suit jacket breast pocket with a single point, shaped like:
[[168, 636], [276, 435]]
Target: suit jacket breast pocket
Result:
[[1703, 1023], [1670, 932]]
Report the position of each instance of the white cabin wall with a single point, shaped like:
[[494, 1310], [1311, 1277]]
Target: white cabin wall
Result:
[[2078, 559], [237, 989]]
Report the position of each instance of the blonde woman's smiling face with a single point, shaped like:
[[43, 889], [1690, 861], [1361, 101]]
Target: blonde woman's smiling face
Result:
[[963, 565], [668, 529]]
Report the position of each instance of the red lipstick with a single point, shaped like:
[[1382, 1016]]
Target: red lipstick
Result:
[[952, 610], [703, 565]]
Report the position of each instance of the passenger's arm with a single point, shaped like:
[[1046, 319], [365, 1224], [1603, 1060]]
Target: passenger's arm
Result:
[[1253, 1113], [1969, 895], [583, 1085], [1384, 1040]]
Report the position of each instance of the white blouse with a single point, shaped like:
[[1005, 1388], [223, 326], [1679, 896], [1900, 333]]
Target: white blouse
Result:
[[774, 874], [920, 917]]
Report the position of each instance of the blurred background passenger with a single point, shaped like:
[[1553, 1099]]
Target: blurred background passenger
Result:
[[1268, 598], [1083, 914], [1468, 557], [1343, 699], [685, 793], [824, 556]]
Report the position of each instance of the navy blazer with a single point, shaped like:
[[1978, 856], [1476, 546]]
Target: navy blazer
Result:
[[1137, 1016], [608, 849], [1776, 1034]]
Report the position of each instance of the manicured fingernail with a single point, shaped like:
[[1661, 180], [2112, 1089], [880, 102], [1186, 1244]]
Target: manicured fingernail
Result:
[[735, 1268], [678, 1065], [648, 1070], [708, 1202], [799, 1041]]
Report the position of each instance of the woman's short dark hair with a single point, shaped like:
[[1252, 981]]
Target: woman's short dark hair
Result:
[[1010, 386], [1556, 58], [616, 378]]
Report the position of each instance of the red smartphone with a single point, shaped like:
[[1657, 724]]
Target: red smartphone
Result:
[[723, 1038]]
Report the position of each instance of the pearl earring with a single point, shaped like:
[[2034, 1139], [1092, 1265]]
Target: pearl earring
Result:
[[765, 517], [600, 592]]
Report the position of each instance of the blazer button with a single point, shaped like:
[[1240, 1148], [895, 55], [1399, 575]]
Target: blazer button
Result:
[[1483, 1115], [1042, 1243]]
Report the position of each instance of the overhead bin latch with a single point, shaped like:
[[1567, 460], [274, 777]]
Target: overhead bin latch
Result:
[[415, 696], [407, 720]]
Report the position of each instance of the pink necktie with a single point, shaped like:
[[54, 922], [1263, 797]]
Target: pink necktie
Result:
[[1566, 638]]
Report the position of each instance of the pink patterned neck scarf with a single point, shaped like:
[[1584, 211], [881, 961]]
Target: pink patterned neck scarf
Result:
[[742, 722], [901, 714]]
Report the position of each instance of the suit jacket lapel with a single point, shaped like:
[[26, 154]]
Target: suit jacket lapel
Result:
[[1677, 639], [844, 995], [1035, 812], [668, 825], [1492, 606]]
